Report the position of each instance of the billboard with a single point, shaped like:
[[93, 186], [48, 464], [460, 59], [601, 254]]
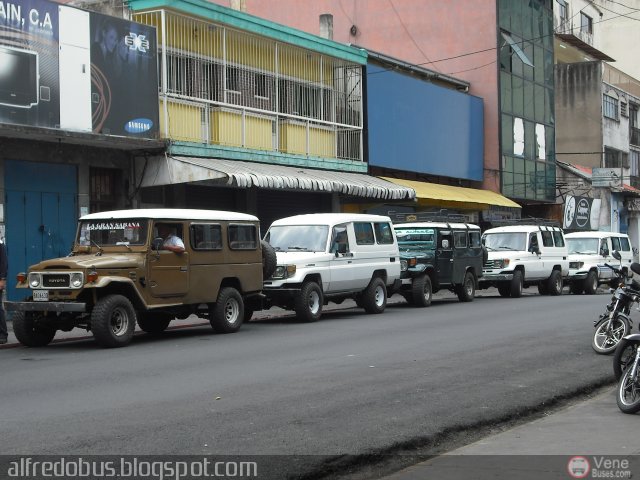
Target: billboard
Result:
[[581, 213], [29, 63], [62, 67], [124, 77]]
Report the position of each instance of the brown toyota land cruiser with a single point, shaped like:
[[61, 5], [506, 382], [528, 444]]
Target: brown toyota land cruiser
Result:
[[147, 266]]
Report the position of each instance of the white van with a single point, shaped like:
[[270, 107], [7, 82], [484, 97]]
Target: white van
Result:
[[330, 257], [588, 252]]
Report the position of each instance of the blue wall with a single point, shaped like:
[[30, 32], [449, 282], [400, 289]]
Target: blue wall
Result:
[[420, 127]]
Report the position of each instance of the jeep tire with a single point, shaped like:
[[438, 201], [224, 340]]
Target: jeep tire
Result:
[[555, 283], [421, 291], [30, 329], [576, 287], [591, 283], [516, 284], [467, 291], [269, 259], [153, 322], [113, 321], [227, 314], [543, 288], [504, 289], [308, 302], [374, 297]]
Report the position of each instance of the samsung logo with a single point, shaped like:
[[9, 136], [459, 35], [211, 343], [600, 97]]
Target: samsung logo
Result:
[[138, 125]]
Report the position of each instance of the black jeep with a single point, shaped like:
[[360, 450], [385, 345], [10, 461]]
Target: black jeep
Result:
[[437, 255]]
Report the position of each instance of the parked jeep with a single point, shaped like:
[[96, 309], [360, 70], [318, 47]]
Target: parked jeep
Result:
[[120, 271], [331, 257], [588, 253], [438, 255], [523, 255]]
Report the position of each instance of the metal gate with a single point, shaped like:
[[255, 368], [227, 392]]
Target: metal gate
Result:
[[41, 214]]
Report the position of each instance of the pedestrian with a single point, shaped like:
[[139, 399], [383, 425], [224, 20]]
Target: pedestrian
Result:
[[3, 283]]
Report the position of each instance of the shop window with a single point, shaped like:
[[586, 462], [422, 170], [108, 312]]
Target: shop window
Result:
[[103, 190]]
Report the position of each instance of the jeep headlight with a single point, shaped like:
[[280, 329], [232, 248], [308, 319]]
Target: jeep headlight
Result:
[[576, 265], [35, 279], [77, 280], [501, 263], [284, 271], [403, 265]]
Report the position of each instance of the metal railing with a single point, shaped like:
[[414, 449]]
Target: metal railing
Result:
[[227, 87]]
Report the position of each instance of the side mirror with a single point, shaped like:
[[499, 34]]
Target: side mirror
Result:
[[616, 255], [157, 243]]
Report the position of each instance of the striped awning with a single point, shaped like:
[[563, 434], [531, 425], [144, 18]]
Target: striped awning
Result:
[[173, 170]]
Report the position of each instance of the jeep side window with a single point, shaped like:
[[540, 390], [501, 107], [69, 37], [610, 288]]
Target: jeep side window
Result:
[[460, 239], [558, 238], [615, 243], [547, 238], [533, 242], [444, 241], [242, 237], [624, 244], [474, 239], [206, 237], [384, 235], [364, 233], [339, 239], [604, 249]]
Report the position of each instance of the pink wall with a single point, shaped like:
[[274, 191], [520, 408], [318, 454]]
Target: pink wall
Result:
[[423, 32]]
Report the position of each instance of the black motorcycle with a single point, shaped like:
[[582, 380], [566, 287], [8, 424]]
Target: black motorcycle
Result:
[[626, 367], [614, 324]]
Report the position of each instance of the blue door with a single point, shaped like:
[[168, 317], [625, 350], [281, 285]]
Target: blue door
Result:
[[41, 215]]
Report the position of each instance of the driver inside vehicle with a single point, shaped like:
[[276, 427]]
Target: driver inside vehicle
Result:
[[340, 243], [170, 240]]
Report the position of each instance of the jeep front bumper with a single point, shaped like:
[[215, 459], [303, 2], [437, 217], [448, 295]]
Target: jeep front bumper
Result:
[[574, 275], [496, 277], [45, 307]]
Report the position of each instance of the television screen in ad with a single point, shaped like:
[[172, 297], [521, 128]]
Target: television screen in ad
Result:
[[19, 78]]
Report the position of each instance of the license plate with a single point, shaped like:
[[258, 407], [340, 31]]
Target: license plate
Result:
[[41, 295]]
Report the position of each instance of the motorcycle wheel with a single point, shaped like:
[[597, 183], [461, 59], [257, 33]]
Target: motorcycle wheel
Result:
[[606, 340], [628, 393], [623, 356]]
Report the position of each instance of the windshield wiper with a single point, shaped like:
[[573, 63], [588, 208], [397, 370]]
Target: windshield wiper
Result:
[[304, 249], [96, 244], [126, 244], [507, 248]]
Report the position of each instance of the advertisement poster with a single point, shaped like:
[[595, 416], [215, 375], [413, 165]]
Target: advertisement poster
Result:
[[29, 88], [124, 77], [581, 213]]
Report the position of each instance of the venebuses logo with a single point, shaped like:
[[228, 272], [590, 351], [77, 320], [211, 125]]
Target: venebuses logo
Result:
[[578, 467]]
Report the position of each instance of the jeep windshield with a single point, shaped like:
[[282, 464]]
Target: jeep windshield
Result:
[[113, 232], [416, 239], [583, 245], [506, 241], [298, 238]]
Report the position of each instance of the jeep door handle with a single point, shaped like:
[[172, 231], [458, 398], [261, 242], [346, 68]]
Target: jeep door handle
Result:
[[183, 269]]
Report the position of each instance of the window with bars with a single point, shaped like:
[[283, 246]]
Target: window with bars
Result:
[[634, 128], [610, 107], [563, 11], [103, 189], [586, 23], [615, 158], [634, 163]]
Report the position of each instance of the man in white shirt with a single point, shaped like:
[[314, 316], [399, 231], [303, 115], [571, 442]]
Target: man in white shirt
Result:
[[171, 241]]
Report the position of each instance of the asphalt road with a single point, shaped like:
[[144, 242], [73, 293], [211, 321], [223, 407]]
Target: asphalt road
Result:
[[350, 385]]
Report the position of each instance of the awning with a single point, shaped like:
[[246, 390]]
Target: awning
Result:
[[446, 195], [174, 170]]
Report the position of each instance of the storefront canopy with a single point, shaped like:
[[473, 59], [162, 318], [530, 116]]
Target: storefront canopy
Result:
[[174, 170], [449, 196]]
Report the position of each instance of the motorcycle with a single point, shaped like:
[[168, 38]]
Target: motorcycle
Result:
[[628, 391], [615, 323]]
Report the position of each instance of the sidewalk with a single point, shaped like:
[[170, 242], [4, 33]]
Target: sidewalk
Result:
[[556, 446]]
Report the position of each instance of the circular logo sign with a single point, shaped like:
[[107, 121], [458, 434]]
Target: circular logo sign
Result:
[[569, 211], [582, 212], [578, 467]]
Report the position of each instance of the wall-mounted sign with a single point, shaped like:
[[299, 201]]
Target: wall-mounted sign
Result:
[[581, 213]]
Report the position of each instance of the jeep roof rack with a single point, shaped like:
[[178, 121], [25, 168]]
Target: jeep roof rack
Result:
[[541, 222], [442, 215]]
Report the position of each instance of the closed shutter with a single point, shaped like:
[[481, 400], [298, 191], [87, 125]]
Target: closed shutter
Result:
[[211, 198], [274, 204]]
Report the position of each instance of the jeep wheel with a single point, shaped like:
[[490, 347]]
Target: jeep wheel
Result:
[[308, 303], [113, 321], [555, 283], [591, 283], [31, 329], [227, 314], [269, 259], [374, 297], [504, 289], [152, 322], [421, 291], [467, 291], [516, 284]]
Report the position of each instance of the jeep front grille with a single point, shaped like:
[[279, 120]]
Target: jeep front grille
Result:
[[56, 280], [492, 264]]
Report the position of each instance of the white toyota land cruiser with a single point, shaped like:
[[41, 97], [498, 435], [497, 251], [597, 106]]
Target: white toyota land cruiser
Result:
[[330, 257], [524, 255]]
